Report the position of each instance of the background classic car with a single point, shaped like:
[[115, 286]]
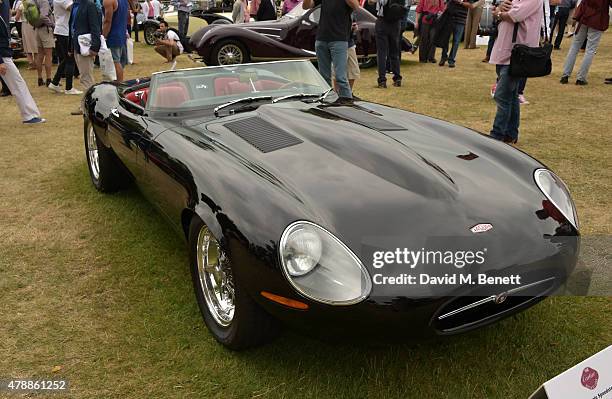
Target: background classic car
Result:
[[276, 189], [292, 36]]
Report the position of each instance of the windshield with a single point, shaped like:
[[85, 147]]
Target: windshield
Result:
[[199, 88]]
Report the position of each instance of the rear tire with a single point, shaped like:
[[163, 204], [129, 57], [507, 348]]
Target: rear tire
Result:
[[149, 34], [232, 317], [106, 173], [229, 52]]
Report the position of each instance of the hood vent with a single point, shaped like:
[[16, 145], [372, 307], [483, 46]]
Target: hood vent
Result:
[[261, 134], [363, 118]]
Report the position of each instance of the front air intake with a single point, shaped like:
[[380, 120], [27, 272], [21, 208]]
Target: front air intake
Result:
[[261, 134]]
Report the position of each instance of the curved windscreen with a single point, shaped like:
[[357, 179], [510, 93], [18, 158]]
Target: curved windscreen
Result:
[[198, 88]]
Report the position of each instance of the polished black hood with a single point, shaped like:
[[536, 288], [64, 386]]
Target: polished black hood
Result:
[[392, 177]]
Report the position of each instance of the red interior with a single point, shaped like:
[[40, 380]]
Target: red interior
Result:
[[232, 85], [172, 95], [139, 96]]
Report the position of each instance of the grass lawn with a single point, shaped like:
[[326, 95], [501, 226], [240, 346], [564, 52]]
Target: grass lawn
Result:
[[99, 284]]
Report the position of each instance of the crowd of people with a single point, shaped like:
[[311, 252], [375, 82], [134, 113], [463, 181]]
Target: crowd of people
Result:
[[80, 34], [82, 31]]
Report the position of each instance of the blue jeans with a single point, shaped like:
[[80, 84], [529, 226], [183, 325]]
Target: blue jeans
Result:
[[119, 55], [508, 114], [457, 33], [183, 24], [335, 53]]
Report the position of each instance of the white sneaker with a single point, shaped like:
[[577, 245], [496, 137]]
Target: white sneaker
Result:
[[173, 67], [54, 88], [73, 91]]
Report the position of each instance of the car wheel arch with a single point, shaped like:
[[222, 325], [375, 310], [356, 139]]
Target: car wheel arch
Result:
[[206, 216]]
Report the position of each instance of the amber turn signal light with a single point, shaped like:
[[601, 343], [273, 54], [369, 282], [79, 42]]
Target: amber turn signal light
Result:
[[292, 303]]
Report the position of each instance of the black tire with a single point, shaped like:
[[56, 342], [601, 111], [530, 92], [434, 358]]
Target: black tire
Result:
[[367, 62], [149, 34], [250, 326], [220, 48], [108, 176]]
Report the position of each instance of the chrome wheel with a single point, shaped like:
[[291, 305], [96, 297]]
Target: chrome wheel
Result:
[[149, 35], [230, 54], [216, 278], [92, 153]]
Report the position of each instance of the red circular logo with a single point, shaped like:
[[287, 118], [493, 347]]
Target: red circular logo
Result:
[[589, 378]]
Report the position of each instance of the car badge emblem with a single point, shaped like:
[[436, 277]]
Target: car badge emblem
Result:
[[589, 378], [481, 228]]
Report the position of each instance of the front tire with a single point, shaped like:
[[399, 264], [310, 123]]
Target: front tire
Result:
[[232, 317], [229, 52], [106, 174]]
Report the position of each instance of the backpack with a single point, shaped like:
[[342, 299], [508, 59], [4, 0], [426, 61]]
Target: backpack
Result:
[[31, 12], [394, 10]]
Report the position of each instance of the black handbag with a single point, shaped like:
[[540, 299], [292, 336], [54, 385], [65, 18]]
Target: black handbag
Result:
[[531, 62]]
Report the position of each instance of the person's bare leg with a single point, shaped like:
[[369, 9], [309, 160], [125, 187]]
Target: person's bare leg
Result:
[[351, 83], [48, 60], [39, 62], [160, 49], [119, 70]]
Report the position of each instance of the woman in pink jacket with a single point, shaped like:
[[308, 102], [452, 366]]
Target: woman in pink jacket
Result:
[[528, 15]]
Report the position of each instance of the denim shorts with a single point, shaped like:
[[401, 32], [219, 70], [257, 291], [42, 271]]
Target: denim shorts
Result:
[[119, 54]]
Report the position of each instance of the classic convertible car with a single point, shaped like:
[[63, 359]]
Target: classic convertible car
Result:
[[285, 198], [292, 36]]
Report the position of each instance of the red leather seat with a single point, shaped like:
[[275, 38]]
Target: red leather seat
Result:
[[138, 97], [221, 86], [232, 85], [171, 96]]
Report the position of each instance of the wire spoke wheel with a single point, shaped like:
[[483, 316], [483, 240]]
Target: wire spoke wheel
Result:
[[92, 153], [216, 279], [230, 54]]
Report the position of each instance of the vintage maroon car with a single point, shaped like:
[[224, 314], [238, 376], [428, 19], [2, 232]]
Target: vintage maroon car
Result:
[[292, 36]]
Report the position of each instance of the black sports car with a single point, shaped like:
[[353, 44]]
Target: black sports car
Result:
[[291, 37], [300, 209]]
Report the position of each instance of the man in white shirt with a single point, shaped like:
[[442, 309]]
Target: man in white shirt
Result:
[[65, 68], [170, 46]]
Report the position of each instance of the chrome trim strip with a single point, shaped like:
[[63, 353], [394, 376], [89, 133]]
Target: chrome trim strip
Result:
[[468, 307], [493, 297]]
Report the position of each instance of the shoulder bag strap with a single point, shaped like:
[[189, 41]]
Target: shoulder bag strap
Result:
[[545, 24]]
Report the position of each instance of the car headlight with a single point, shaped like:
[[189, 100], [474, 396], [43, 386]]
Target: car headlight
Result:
[[320, 267], [556, 191]]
